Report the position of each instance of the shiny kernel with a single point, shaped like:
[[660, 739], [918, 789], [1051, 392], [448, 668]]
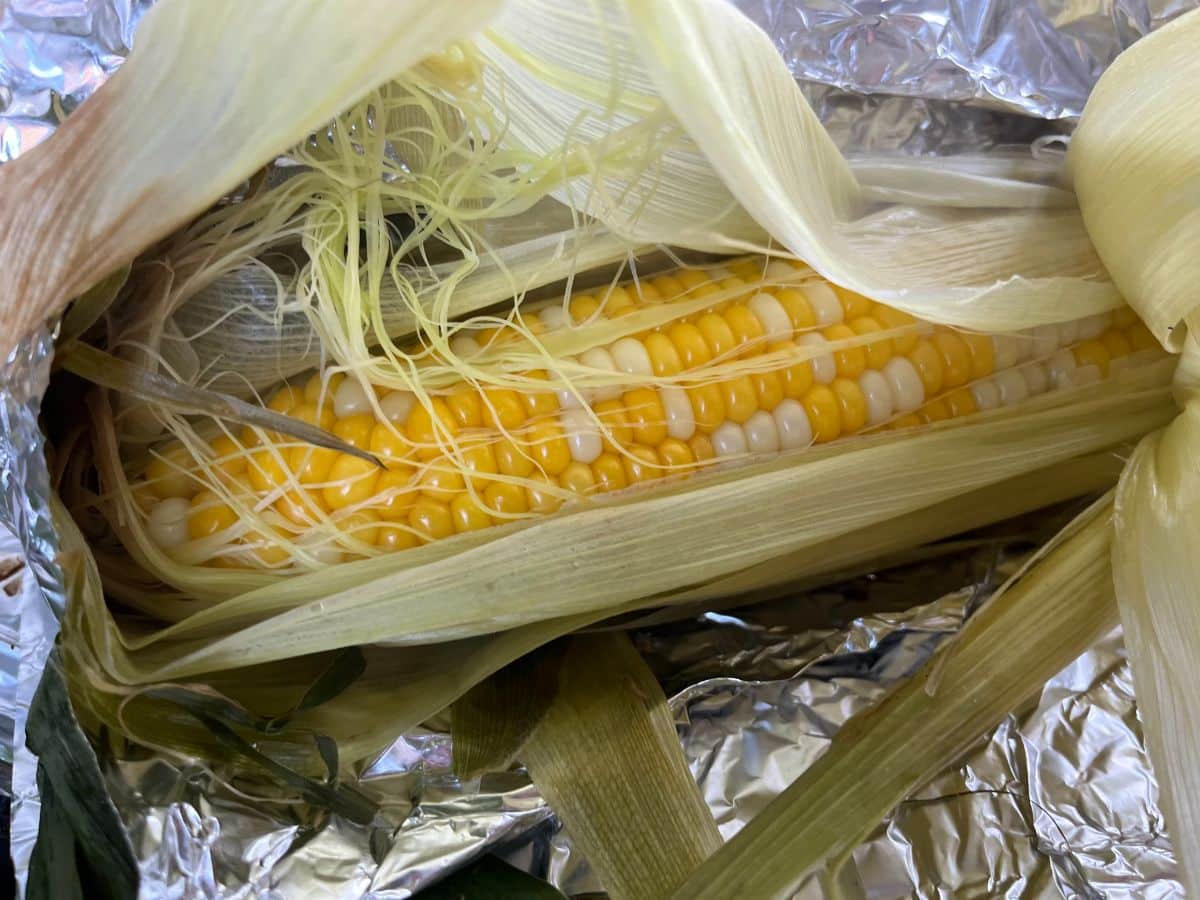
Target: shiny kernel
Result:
[[352, 480], [934, 411], [468, 515], [852, 404], [609, 472], [747, 330], [319, 388], [798, 308], [890, 319], [311, 464], [708, 405], [747, 269], [718, 336], [878, 352], [692, 278], [646, 417], [928, 363], [675, 456], [796, 378], [209, 515], [1116, 343], [390, 447], [768, 387], [983, 354], [824, 413], [285, 399], [167, 473], [395, 494], [689, 345], [547, 445], [961, 403], [322, 416], [664, 358], [648, 293], [956, 358], [362, 526], [479, 460], [504, 498], [302, 506], [355, 430], [420, 427], [394, 537], [503, 409], [850, 361], [442, 481], [267, 469], [702, 447], [855, 305], [618, 302], [431, 519], [265, 549], [465, 405], [908, 420], [616, 432], [512, 459], [578, 478], [1092, 353], [668, 286], [539, 403], [740, 398], [641, 464], [583, 307], [540, 496]]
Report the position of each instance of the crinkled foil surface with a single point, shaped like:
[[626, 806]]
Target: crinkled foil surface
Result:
[[1058, 800]]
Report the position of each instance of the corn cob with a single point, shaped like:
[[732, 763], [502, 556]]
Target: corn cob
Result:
[[819, 363]]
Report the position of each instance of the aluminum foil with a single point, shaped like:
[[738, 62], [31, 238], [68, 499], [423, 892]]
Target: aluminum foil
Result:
[[1059, 800]]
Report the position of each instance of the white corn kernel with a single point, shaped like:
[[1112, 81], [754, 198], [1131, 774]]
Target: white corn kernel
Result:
[[168, 522], [554, 317], [729, 440], [778, 270], [1045, 341], [986, 394], [773, 317], [461, 345], [1005, 351], [908, 390], [762, 435], [879, 396], [1061, 369], [824, 302], [350, 399], [396, 406], [681, 419], [823, 366], [1012, 387], [600, 359], [791, 421], [583, 435], [630, 356], [1034, 374]]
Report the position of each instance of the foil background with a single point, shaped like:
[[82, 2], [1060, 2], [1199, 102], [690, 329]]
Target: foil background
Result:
[[1058, 801]]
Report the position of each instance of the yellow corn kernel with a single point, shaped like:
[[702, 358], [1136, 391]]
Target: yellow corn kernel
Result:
[[708, 406], [512, 459], [267, 469], [824, 413], [616, 432], [718, 336], [209, 515], [1116, 343], [796, 378], [352, 481], [961, 403], [609, 472], [928, 363], [479, 462], [878, 352], [442, 480], [798, 308], [362, 526], [648, 293], [547, 443], [852, 404], [618, 302], [395, 494], [431, 519], [389, 444], [317, 388], [421, 425], [851, 361], [854, 305], [893, 318], [668, 286], [747, 269], [465, 406], [646, 417], [1141, 337], [741, 401], [983, 354], [228, 456], [641, 464], [1092, 353], [578, 478], [909, 420], [956, 358], [355, 430], [321, 416], [468, 515], [768, 387], [701, 447], [285, 399], [689, 344], [540, 498], [503, 498], [582, 307], [934, 411], [167, 474], [311, 464], [503, 409], [265, 549], [747, 329], [664, 358], [692, 278], [539, 403], [302, 506], [394, 537], [675, 456]]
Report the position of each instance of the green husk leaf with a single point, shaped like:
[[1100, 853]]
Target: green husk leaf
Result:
[[492, 721], [607, 758], [1043, 619], [124, 377]]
